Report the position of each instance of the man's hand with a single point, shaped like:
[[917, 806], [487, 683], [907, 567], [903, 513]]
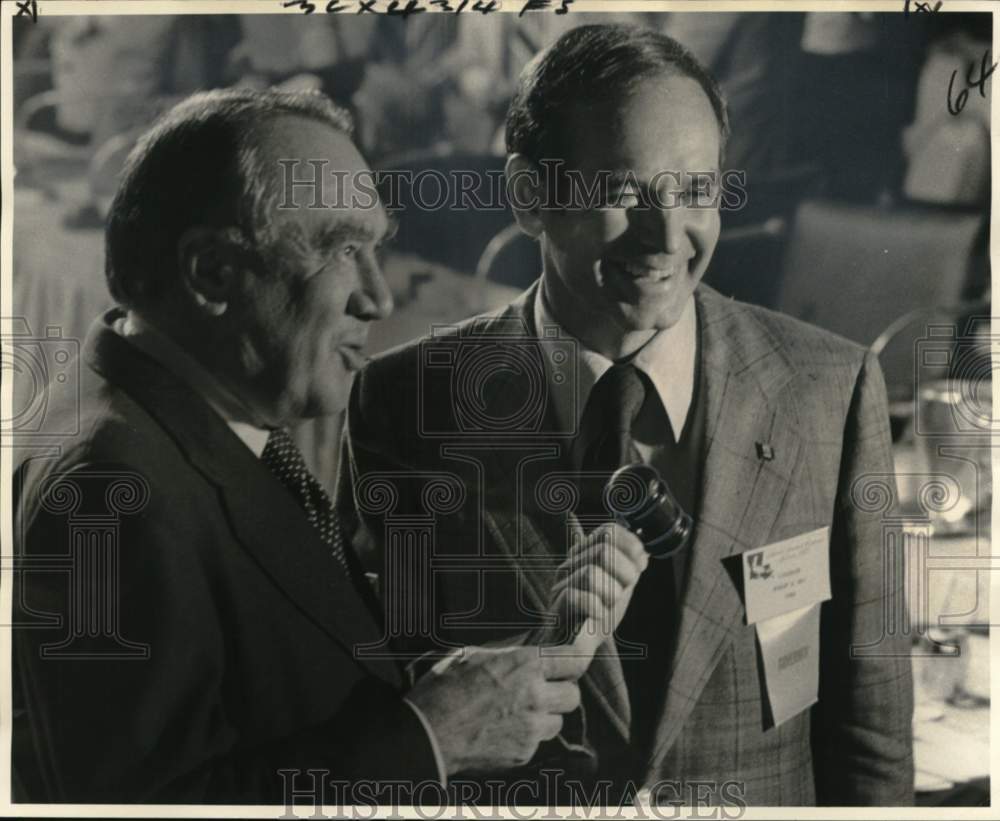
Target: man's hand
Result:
[[492, 708], [595, 583]]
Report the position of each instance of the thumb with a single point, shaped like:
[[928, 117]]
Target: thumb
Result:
[[588, 638], [577, 533]]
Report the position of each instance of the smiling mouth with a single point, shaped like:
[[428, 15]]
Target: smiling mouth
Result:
[[639, 272]]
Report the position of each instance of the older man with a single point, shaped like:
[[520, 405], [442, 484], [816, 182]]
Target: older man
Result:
[[720, 686], [191, 619]]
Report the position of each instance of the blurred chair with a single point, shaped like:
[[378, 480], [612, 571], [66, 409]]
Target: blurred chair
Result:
[[746, 263], [957, 337], [511, 258], [42, 158], [854, 269], [456, 231]]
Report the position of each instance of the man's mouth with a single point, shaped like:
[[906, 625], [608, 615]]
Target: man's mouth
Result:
[[639, 272], [353, 355]]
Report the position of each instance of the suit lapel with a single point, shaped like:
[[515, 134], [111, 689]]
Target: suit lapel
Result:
[[263, 515], [518, 522], [741, 494]]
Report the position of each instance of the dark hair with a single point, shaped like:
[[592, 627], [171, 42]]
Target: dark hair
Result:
[[199, 164], [593, 64]]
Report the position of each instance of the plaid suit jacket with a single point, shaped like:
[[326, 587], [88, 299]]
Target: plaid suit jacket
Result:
[[458, 407]]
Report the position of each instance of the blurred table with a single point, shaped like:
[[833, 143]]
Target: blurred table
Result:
[[948, 580], [951, 748], [58, 283]]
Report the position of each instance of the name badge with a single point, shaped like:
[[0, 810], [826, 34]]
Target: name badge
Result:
[[784, 585], [787, 575]]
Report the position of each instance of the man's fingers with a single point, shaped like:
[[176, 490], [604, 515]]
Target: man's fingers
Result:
[[566, 661], [626, 542], [594, 580], [500, 662], [583, 604], [560, 697], [612, 547], [588, 639], [548, 725], [620, 566]]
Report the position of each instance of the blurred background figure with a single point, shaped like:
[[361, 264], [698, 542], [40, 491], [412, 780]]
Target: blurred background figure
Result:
[[97, 81], [412, 68], [948, 155], [855, 93], [326, 54]]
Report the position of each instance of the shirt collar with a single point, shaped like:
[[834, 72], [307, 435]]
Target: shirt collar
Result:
[[164, 350], [668, 359]]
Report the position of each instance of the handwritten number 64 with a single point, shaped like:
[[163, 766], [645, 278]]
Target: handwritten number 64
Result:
[[985, 70]]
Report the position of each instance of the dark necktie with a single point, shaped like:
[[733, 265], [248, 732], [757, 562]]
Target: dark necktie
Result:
[[644, 635], [285, 461], [607, 421]]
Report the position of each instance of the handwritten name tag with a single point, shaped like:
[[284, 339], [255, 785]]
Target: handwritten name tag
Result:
[[787, 575]]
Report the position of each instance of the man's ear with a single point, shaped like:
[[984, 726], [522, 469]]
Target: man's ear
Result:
[[208, 269], [526, 192]]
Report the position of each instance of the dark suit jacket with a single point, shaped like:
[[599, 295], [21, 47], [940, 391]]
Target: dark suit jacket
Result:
[[457, 406], [183, 634]]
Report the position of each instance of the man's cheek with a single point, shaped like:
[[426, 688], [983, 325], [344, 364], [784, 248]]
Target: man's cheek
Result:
[[604, 226], [703, 228]]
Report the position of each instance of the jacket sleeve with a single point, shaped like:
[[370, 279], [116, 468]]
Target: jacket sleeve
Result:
[[862, 734], [376, 440], [146, 714]]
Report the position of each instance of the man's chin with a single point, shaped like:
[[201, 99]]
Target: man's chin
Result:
[[326, 404], [639, 318]]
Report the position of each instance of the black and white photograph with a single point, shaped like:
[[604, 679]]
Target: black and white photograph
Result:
[[522, 409]]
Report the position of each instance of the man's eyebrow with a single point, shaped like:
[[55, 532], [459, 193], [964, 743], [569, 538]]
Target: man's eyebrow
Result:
[[620, 177], [330, 236]]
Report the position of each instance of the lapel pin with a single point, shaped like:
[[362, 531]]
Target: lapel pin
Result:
[[765, 451]]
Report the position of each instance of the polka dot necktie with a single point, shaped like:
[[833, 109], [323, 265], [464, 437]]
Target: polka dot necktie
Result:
[[285, 461]]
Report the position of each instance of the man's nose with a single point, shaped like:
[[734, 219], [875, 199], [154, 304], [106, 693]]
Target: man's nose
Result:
[[372, 299], [662, 228]]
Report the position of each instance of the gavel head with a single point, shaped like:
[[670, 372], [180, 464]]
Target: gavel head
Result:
[[638, 496]]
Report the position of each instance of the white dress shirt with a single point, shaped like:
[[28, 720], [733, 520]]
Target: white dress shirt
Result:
[[668, 359]]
